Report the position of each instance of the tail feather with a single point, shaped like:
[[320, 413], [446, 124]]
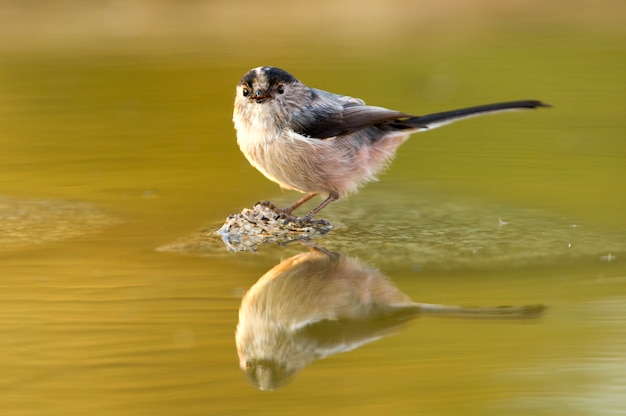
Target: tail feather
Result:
[[432, 121]]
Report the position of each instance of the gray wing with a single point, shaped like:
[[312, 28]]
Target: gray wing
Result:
[[331, 115]]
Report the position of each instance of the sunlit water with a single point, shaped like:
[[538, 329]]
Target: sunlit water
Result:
[[112, 164]]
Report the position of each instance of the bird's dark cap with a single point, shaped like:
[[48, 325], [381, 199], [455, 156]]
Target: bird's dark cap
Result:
[[271, 74]]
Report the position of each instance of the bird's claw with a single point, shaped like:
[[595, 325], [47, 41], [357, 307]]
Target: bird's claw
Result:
[[270, 205], [288, 217]]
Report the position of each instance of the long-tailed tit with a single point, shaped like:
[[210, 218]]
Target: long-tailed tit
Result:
[[318, 142]]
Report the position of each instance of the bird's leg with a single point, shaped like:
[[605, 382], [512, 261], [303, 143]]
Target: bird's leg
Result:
[[308, 218], [288, 210], [310, 215]]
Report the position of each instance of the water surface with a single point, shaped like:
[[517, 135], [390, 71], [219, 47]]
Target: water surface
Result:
[[108, 155]]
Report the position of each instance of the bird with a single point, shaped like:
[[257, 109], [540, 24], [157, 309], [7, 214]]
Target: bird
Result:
[[321, 143]]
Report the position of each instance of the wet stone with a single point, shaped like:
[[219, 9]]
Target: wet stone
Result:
[[263, 224]]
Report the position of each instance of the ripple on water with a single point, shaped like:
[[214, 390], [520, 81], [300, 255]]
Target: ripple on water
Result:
[[33, 222]]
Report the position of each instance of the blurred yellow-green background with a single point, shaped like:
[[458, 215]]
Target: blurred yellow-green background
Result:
[[116, 139]]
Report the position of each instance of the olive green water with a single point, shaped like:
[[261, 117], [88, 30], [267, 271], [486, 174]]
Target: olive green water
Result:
[[109, 153]]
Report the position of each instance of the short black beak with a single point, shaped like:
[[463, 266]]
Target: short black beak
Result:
[[259, 96]]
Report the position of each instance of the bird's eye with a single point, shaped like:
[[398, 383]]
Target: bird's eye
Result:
[[246, 91], [280, 88]]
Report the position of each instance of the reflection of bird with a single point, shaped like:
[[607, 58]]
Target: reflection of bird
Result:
[[317, 304], [317, 142]]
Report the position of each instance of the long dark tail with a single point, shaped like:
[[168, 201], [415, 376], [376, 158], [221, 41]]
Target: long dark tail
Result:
[[432, 121]]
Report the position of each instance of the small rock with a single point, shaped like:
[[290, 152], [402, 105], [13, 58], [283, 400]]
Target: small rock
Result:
[[262, 224]]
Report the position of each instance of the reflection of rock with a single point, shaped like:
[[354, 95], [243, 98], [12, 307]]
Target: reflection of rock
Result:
[[30, 222], [317, 304]]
